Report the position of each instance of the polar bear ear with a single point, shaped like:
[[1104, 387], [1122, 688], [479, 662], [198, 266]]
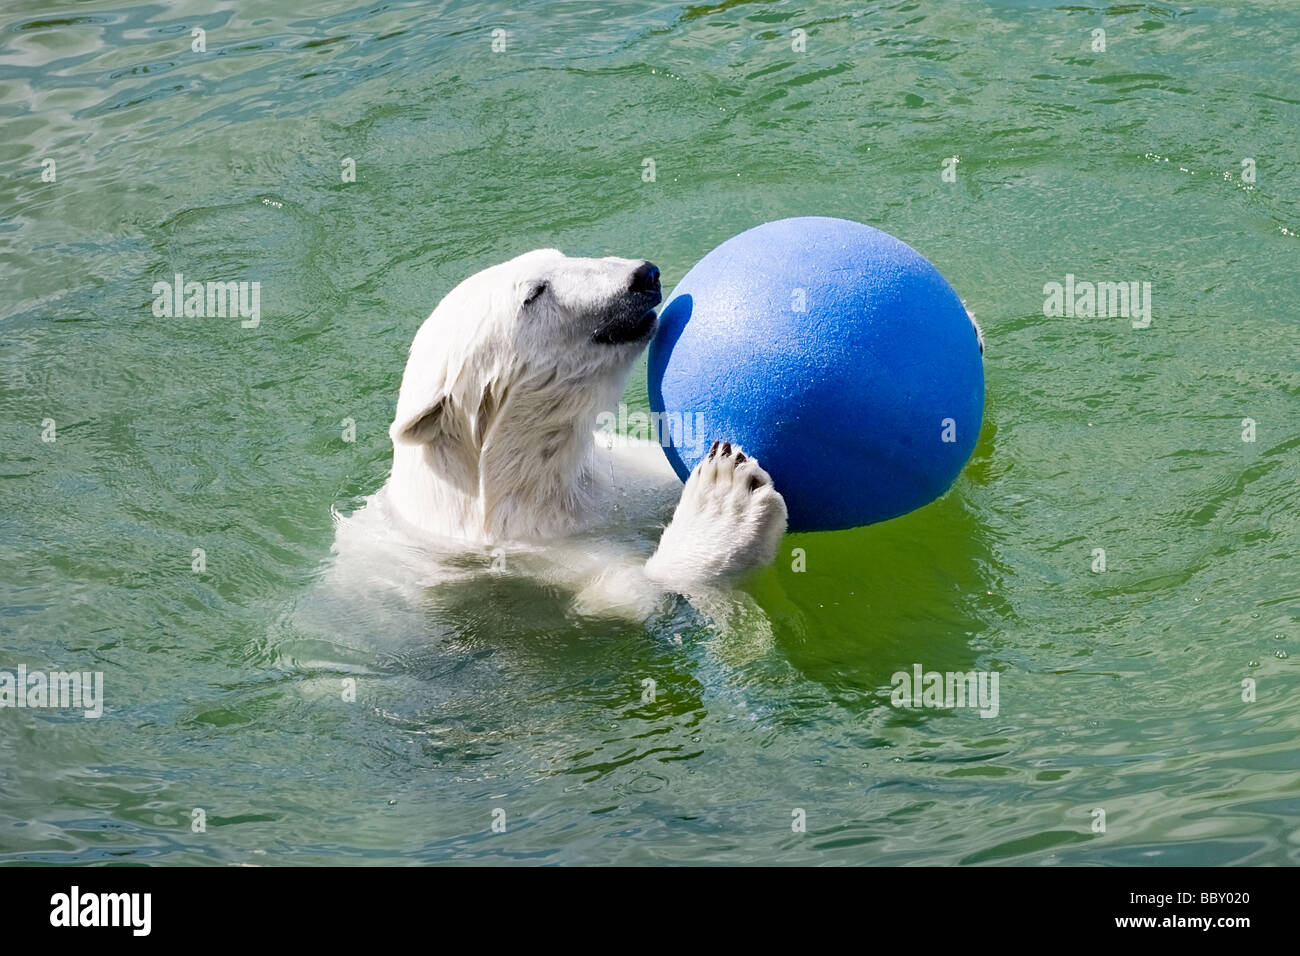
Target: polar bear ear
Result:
[[446, 364], [424, 402], [441, 417], [419, 425]]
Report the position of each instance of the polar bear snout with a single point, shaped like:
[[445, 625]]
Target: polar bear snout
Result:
[[645, 278], [631, 317]]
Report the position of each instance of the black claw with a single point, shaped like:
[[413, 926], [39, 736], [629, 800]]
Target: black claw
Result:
[[740, 458], [726, 449], [713, 450], [754, 483]]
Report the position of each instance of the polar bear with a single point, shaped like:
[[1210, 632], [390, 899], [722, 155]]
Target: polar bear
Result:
[[494, 446]]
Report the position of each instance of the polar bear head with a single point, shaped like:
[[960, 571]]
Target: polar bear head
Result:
[[503, 384]]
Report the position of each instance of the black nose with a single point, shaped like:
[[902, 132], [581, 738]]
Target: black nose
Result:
[[645, 278]]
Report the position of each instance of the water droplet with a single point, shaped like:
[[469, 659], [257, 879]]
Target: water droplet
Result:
[[1280, 655]]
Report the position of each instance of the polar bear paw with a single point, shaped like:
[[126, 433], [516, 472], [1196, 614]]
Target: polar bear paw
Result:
[[730, 520]]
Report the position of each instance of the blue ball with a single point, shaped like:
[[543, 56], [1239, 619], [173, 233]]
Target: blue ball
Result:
[[836, 355]]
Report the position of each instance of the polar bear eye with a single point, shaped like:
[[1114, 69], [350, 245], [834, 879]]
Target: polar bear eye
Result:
[[535, 293]]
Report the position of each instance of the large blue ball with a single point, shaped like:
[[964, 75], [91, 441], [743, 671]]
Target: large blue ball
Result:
[[835, 354]]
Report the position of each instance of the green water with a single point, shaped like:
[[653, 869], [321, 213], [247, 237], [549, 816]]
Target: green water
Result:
[[1120, 691]]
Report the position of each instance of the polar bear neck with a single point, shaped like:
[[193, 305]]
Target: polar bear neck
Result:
[[525, 475]]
